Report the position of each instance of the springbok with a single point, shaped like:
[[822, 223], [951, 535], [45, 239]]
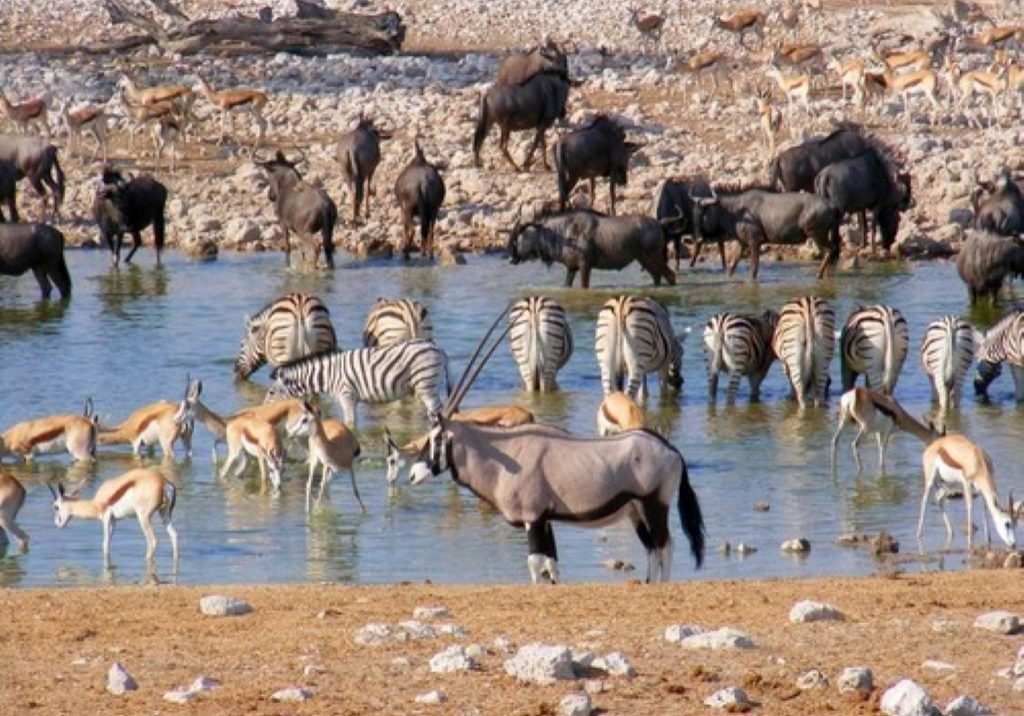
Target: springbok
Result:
[[956, 463], [53, 434], [248, 435], [139, 492], [922, 82], [88, 119], [862, 406], [229, 100], [27, 113], [536, 474], [769, 117], [741, 22], [619, 413], [332, 445], [168, 131], [912, 60], [851, 74], [12, 497], [146, 96], [976, 82], [161, 422], [796, 87]]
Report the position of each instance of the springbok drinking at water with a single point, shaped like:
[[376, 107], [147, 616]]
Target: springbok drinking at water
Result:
[[332, 445], [53, 434], [138, 492], [161, 422], [536, 474]]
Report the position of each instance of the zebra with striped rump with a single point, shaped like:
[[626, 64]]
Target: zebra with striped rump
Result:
[[874, 342], [367, 375], [540, 339], [804, 342], [946, 354], [1004, 342], [395, 320], [634, 337], [740, 345], [285, 330]]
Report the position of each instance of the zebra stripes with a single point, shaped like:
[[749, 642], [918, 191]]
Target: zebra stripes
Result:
[[740, 345], [395, 320], [285, 330], [946, 354], [540, 339], [1004, 342], [634, 337], [804, 342], [367, 375], [874, 343]]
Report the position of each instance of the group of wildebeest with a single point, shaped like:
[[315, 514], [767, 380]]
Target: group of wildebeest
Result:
[[813, 186]]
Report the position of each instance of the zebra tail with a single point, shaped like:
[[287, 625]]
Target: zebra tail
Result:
[[170, 499], [717, 344], [949, 361], [889, 356], [690, 516]]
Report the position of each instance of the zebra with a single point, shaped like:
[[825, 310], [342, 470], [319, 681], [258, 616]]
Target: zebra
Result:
[[874, 342], [289, 328], [368, 375], [740, 345], [394, 320], [634, 337], [804, 342], [946, 354], [540, 339], [1004, 342]]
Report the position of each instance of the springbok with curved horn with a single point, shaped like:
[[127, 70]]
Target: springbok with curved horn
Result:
[[955, 463], [53, 434], [139, 492], [536, 474]]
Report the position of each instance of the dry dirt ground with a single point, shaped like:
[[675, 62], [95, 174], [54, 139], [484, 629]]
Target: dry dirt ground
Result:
[[56, 645]]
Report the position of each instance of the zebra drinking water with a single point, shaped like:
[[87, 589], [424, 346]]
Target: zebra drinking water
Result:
[[740, 345], [540, 339], [1004, 342], [946, 354], [394, 320], [289, 328]]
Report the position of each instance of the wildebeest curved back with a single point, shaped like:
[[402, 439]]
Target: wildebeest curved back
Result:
[[420, 191], [598, 149], [521, 66], [794, 169], [39, 247], [985, 261], [300, 207], [35, 159], [123, 206]]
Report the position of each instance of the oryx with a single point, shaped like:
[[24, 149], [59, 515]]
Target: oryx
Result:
[[536, 474]]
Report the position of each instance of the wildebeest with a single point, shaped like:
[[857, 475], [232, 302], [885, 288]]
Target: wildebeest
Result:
[[128, 206], [673, 207], [38, 247], [794, 169], [359, 155], [1002, 212], [420, 191], [985, 261], [585, 240], [758, 216], [9, 190], [520, 67], [864, 183], [300, 207], [598, 149], [35, 159], [535, 104]]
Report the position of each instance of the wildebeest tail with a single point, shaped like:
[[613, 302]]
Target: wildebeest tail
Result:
[[775, 175], [482, 125], [562, 172], [327, 232], [690, 517], [58, 177]]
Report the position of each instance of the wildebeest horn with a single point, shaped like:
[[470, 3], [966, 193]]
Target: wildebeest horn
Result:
[[464, 382]]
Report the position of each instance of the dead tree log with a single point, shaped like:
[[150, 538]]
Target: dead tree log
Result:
[[311, 32]]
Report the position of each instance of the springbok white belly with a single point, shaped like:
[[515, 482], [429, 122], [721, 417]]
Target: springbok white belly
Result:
[[48, 447], [125, 507], [151, 434], [948, 477]]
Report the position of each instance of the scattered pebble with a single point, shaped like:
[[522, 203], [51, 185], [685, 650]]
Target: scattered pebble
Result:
[[374, 635], [431, 613], [1000, 622], [941, 667], [856, 680], [476, 651], [119, 681], [574, 705], [541, 663], [813, 679], [451, 630], [906, 698], [966, 706], [503, 643], [220, 606], [799, 545], [454, 658], [744, 548], [401, 661], [884, 543], [313, 670], [761, 507], [677, 632], [1014, 560], [417, 630], [1018, 665], [807, 611], [180, 696], [617, 565], [724, 638], [432, 698], [724, 547], [615, 664], [733, 698], [291, 695]]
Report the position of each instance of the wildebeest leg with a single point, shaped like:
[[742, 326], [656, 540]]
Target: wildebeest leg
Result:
[[158, 235], [503, 146], [12, 208], [136, 243], [862, 218], [538, 137], [570, 276], [696, 253], [832, 254], [287, 247], [44, 282], [542, 133], [542, 557], [611, 193], [357, 197], [585, 276]]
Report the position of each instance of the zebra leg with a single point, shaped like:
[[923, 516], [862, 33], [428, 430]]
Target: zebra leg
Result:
[[712, 386], [734, 386], [1018, 382]]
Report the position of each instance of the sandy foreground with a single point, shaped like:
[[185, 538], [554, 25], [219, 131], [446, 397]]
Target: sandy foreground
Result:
[[56, 645]]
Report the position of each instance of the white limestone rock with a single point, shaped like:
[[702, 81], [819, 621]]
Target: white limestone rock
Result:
[[220, 606], [541, 663], [119, 681], [906, 698], [807, 611]]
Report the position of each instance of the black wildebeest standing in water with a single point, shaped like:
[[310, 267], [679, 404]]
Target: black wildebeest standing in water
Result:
[[35, 159], [128, 206], [38, 247], [759, 216], [1002, 212], [865, 183], [985, 261], [9, 190], [359, 155], [531, 93], [598, 149], [420, 191], [673, 206], [301, 208], [585, 240], [794, 169]]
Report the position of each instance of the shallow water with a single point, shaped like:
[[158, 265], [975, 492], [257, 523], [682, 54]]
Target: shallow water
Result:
[[130, 337]]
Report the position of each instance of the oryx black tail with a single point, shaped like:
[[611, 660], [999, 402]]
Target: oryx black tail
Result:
[[690, 517]]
